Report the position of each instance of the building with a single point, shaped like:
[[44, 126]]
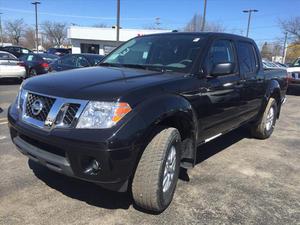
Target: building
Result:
[[101, 40]]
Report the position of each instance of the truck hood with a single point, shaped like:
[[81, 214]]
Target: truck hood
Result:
[[96, 83]]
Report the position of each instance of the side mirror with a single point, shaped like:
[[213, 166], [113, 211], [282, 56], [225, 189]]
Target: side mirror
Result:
[[222, 69]]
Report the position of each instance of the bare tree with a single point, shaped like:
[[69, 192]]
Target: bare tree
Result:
[[292, 26], [56, 33], [14, 30], [194, 25]]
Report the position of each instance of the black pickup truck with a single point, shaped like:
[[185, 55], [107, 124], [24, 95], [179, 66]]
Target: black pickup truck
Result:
[[132, 122]]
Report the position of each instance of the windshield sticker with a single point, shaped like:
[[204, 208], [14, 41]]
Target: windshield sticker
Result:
[[145, 55]]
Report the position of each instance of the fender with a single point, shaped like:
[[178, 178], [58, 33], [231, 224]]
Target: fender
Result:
[[166, 110], [162, 110], [272, 90]]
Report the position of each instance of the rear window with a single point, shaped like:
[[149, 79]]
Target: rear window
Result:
[[49, 58], [247, 58]]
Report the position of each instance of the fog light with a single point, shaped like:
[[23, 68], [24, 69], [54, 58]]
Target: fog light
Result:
[[92, 168]]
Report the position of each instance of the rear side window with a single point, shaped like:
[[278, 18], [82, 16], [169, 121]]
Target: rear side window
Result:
[[247, 58]]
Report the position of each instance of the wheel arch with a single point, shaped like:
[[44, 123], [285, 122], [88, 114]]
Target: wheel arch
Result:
[[273, 91]]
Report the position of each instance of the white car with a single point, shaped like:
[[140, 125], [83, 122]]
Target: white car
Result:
[[294, 74], [11, 66]]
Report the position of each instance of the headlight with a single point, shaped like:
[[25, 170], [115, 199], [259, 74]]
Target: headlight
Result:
[[21, 98], [102, 114]]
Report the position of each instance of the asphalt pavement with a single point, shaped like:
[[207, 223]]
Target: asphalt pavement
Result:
[[237, 180]]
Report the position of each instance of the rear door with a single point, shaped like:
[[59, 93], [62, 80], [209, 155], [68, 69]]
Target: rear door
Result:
[[253, 78]]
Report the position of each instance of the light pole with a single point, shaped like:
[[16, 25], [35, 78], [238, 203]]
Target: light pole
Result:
[[249, 11], [36, 26], [118, 21], [1, 33], [204, 15], [284, 47]]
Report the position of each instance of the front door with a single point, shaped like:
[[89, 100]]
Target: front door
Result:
[[218, 106]]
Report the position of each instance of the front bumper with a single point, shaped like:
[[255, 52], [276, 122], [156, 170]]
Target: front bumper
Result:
[[70, 151]]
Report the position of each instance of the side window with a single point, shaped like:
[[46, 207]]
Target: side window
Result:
[[247, 58], [69, 61], [221, 52], [81, 62]]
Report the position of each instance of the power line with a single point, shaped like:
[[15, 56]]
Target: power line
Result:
[[76, 16]]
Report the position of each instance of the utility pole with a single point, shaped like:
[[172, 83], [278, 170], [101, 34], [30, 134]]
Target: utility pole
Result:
[[250, 11], [284, 47], [118, 22], [36, 26], [1, 32], [204, 16]]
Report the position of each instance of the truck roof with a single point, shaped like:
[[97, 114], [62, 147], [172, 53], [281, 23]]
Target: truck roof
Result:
[[206, 34]]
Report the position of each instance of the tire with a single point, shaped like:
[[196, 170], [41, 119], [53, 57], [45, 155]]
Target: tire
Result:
[[265, 127], [148, 190], [32, 73]]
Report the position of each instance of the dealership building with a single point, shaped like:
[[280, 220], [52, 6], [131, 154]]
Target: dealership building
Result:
[[101, 40]]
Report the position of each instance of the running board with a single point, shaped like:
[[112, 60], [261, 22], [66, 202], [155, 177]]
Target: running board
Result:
[[212, 138]]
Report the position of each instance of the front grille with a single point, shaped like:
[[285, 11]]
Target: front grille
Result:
[[70, 114], [47, 104]]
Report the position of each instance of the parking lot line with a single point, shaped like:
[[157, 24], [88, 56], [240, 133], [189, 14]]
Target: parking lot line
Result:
[[4, 122]]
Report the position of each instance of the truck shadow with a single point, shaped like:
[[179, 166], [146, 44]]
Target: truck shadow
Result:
[[294, 91], [94, 195], [212, 148]]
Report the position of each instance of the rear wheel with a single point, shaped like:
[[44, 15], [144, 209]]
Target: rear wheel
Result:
[[157, 173], [265, 127], [32, 73]]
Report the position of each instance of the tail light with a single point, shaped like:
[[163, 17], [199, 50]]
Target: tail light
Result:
[[45, 65], [21, 63]]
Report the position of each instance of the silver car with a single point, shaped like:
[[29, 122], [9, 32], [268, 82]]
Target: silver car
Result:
[[11, 66]]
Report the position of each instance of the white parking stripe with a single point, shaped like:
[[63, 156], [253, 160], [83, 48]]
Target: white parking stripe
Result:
[[3, 119], [2, 137], [2, 123]]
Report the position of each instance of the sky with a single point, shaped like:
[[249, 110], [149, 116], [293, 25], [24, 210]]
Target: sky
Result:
[[173, 14]]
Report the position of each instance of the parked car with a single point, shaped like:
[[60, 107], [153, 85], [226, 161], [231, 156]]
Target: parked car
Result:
[[59, 51], [133, 121], [73, 61], [16, 50], [37, 64], [294, 74], [11, 66]]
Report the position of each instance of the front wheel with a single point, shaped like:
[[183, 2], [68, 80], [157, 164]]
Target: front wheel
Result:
[[265, 127], [156, 176]]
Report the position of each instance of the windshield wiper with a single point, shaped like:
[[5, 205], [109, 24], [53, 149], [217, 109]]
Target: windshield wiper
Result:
[[109, 64], [159, 68]]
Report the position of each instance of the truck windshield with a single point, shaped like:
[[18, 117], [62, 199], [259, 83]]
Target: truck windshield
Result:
[[158, 52]]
